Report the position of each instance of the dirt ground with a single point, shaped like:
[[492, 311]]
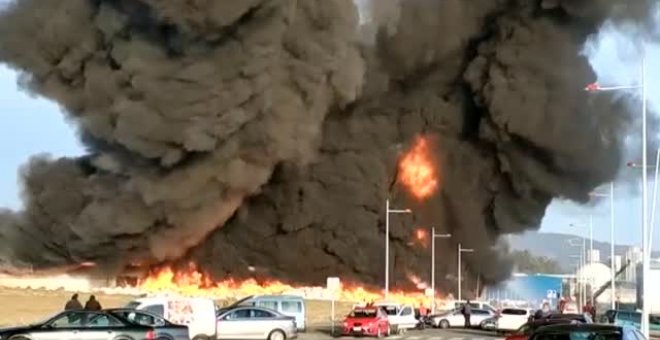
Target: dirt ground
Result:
[[23, 306]]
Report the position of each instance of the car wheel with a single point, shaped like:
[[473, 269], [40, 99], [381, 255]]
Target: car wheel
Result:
[[444, 324], [276, 335], [201, 337], [19, 337]]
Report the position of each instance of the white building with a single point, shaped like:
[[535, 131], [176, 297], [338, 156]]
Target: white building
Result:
[[593, 256], [634, 255], [618, 262], [596, 275]]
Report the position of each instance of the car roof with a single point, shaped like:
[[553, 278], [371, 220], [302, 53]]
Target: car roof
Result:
[[566, 327], [566, 316], [130, 310], [276, 297], [550, 321], [235, 308]]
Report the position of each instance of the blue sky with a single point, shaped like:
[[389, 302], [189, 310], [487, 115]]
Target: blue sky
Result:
[[35, 126]]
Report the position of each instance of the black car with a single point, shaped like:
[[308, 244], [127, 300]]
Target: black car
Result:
[[99, 325], [530, 327], [165, 330], [583, 318], [581, 331]]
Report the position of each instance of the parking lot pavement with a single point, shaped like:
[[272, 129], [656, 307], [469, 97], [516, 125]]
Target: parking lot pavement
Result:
[[427, 334]]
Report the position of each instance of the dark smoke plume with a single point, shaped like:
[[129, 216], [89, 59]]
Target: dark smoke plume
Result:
[[266, 133]]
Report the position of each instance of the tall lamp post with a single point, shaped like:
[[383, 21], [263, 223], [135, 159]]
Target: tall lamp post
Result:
[[461, 250], [591, 252], [581, 273], [646, 251], [433, 237], [389, 211], [655, 193], [612, 255]]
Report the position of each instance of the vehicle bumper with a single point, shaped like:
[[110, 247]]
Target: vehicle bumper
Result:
[[362, 332]]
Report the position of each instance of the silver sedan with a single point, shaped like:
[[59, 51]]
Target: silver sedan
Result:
[[248, 322]]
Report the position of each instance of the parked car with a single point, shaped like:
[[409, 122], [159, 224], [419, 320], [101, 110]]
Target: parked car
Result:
[[634, 319], [251, 322], [289, 305], [527, 329], [587, 332], [401, 317], [369, 321], [474, 305], [196, 313], [583, 318], [510, 319], [489, 324], [163, 328], [99, 325], [455, 318]]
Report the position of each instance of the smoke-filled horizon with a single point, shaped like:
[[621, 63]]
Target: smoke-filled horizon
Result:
[[262, 137]]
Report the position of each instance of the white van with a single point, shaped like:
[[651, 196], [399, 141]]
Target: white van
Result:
[[196, 313], [401, 317], [289, 305]]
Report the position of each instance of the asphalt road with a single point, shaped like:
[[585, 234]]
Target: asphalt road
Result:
[[427, 334]]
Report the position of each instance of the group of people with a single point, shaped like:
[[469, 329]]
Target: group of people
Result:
[[92, 304]]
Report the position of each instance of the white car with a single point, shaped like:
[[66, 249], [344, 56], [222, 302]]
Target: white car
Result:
[[401, 317], [456, 319], [511, 319]]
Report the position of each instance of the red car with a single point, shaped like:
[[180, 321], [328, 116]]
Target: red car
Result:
[[369, 321]]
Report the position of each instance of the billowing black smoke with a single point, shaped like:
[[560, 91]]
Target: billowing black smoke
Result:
[[262, 136]]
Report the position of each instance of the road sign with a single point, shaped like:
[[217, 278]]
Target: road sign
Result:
[[333, 284]]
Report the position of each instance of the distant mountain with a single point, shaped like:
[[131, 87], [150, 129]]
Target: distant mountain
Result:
[[556, 246]]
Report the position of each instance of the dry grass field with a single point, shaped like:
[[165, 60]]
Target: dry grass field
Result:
[[23, 306]]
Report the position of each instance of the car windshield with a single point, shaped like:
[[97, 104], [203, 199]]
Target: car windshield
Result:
[[363, 313], [132, 305], [512, 311], [580, 335], [390, 310]]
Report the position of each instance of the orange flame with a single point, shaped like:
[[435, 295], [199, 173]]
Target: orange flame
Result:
[[192, 282], [421, 237], [416, 170]]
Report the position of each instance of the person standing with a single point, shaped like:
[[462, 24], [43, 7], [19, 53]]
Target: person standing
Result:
[[93, 304], [467, 312], [73, 303]]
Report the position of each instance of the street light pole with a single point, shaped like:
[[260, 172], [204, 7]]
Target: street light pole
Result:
[[433, 237], [646, 250], [612, 262], [389, 211], [655, 196], [612, 255], [584, 265], [646, 253], [584, 258], [461, 250]]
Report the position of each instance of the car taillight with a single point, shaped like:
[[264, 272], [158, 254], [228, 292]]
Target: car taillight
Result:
[[151, 335]]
